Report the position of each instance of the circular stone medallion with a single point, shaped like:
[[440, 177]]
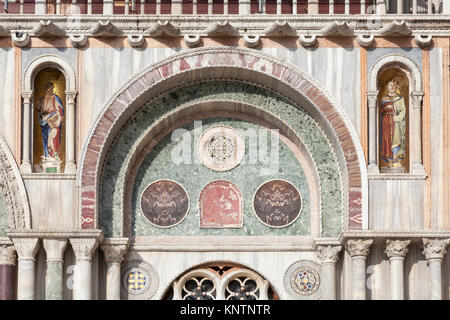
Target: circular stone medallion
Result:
[[277, 203], [136, 280], [221, 148], [164, 203], [305, 280], [139, 281]]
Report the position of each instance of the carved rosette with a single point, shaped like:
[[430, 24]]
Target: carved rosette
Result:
[[359, 247], [397, 248], [328, 254], [435, 248], [114, 253], [7, 255], [84, 248]]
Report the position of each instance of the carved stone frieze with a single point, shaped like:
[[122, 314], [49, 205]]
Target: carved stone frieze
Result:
[[48, 29], [7, 255], [328, 254], [358, 247], [84, 248], [222, 29], [435, 248], [163, 29], [280, 29], [397, 248]]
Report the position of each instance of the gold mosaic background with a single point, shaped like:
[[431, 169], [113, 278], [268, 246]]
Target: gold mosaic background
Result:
[[57, 78]]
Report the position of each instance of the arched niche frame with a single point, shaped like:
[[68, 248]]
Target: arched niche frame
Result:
[[226, 63], [31, 71], [13, 190], [413, 73]]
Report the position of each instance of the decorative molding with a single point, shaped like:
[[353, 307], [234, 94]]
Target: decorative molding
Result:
[[358, 247], [396, 28], [251, 41], [84, 248], [49, 176], [328, 254], [105, 29], [423, 40], [222, 29], [192, 40], [393, 176], [397, 248], [163, 29], [7, 255], [280, 29], [365, 40], [26, 247], [307, 40], [136, 40], [78, 40], [435, 248], [337, 29], [393, 233], [54, 234], [48, 29], [20, 39]]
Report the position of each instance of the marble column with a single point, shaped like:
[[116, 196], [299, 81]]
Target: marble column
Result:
[[84, 249], [434, 251], [26, 250], [25, 166], [328, 255], [114, 254], [396, 250], [416, 100], [7, 274], [372, 98], [55, 263], [358, 250], [70, 133]]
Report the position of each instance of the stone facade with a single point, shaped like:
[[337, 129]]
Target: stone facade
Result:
[[301, 210]]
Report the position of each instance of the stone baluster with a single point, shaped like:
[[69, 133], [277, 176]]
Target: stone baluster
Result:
[[313, 6], [414, 7], [142, 7], [108, 7], [278, 7], [445, 6], [114, 254], [158, 7], [294, 7], [177, 7], [430, 7], [328, 255], [7, 274], [26, 250], [40, 7], [418, 167], [226, 5], [89, 6], [347, 6], [434, 251], [127, 7], [358, 250], [54, 249], [194, 7], [58, 7], [70, 133], [381, 6], [331, 7], [399, 6], [25, 166], [363, 7], [21, 6], [396, 250], [84, 249], [372, 98]]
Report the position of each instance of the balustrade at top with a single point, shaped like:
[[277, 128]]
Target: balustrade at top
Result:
[[225, 7]]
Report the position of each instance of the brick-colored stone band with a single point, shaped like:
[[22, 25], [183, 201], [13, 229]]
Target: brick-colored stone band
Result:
[[197, 60]]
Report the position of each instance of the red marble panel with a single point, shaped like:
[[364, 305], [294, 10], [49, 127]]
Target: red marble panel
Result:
[[221, 206]]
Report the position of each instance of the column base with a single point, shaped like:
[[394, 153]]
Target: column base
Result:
[[373, 169], [418, 168], [25, 167], [70, 167]]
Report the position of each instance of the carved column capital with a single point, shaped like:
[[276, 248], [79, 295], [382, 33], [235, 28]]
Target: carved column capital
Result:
[[417, 98], [372, 98], [7, 255], [114, 253], [26, 247], [84, 248], [70, 96], [358, 247], [328, 254], [435, 248], [397, 248], [26, 95], [54, 249]]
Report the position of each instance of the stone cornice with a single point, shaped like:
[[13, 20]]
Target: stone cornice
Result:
[[435, 25], [52, 234], [385, 234]]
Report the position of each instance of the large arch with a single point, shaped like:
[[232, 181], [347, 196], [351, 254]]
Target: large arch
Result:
[[225, 63], [13, 190]]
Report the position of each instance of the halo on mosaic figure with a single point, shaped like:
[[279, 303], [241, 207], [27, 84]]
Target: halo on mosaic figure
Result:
[[221, 205], [220, 148], [139, 280], [271, 204], [302, 280], [164, 203]]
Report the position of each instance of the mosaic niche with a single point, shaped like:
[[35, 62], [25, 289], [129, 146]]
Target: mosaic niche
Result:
[[139, 281], [49, 121], [221, 206], [164, 203], [302, 280], [277, 203], [221, 148]]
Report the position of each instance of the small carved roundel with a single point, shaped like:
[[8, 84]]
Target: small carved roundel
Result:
[[277, 203], [139, 280], [164, 203], [305, 280], [221, 148]]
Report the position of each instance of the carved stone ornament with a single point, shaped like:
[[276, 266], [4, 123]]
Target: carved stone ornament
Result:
[[54, 248], [365, 40], [114, 252], [329, 254], [222, 29], [302, 280], [26, 247], [280, 29], [251, 41], [359, 247], [105, 29], [135, 40], [20, 39], [139, 281], [7, 255], [163, 29], [396, 28], [423, 41], [48, 29], [192, 40], [78, 40], [307, 40], [397, 248], [337, 29], [84, 248], [435, 248]]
